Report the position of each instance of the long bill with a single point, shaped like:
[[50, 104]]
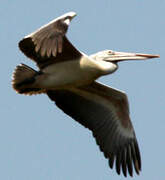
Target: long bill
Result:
[[124, 56]]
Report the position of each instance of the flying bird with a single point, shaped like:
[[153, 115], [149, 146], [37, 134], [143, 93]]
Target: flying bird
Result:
[[68, 77]]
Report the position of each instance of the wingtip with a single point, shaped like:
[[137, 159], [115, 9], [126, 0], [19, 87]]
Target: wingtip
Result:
[[71, 13]]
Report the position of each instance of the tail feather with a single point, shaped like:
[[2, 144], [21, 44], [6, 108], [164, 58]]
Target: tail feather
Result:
[[23, 79]]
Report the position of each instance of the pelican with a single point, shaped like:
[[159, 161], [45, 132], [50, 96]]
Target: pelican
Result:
[[68, 77]]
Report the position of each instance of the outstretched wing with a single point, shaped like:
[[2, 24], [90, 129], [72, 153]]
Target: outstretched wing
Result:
[[105, 112], [49, 44]]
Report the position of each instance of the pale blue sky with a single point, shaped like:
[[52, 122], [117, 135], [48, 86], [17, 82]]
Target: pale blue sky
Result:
[[38, 141]]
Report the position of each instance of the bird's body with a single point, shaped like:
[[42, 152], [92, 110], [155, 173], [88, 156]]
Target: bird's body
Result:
[[81, 72], [68, 77]]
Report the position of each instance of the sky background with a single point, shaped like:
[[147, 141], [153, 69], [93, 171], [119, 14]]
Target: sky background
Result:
[[37, 140]]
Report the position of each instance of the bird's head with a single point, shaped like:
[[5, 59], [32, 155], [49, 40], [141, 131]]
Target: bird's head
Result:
[[114, 56]]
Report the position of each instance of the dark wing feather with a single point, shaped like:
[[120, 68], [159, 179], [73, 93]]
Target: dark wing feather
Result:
[[49, 44], [105, 112]]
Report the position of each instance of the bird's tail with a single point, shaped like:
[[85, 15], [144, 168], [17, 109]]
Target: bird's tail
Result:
[[23, 80]]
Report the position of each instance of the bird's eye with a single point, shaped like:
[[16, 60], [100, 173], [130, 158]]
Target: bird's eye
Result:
[[110, 52]]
